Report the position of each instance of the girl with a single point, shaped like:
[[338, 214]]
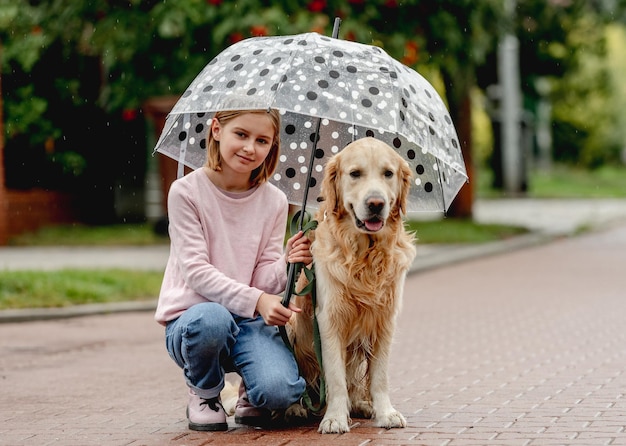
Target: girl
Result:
[[219, 299]]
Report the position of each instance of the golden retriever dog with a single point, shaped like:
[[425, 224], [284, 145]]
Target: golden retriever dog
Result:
[[361, 253]]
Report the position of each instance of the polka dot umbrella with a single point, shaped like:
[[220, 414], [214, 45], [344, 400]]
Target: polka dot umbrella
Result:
[[329, 92]]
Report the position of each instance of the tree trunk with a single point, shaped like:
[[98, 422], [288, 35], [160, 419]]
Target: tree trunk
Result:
[[460, 104]]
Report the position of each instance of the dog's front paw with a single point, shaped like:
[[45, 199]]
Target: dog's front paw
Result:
[[334, 424], [296, 414], [389, 420]]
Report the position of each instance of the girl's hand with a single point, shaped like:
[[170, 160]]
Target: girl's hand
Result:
[[272, 311], [298, 249]]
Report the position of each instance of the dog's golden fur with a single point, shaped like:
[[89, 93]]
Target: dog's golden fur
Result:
[[362, 253]]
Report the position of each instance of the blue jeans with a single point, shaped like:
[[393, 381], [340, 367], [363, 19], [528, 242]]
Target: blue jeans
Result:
[[207, 341]]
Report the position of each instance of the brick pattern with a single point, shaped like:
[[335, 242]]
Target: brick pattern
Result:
[[24, 211], [527, 348]]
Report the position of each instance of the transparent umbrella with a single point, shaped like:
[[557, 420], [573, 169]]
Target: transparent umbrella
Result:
[[330, 92]]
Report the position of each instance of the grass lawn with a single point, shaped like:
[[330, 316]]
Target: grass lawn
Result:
[[28, 289], [45, 289]]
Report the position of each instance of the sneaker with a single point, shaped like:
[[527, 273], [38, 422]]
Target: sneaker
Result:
[[206, 414], [246, 413]]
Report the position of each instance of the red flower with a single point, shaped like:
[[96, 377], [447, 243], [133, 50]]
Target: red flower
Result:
[[258, 31], [129, 114], [317, 5], [411, 53], [214, 2], [391, 4], [235, 37]]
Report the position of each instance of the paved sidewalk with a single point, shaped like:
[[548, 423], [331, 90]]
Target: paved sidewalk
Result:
[[522, 348], [496, 345]]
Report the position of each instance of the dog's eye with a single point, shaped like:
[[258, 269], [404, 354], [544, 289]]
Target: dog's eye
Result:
[[355, 173], [388, 174]]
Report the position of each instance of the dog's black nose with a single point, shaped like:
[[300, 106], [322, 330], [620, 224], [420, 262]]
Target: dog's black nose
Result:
[[375, 205]]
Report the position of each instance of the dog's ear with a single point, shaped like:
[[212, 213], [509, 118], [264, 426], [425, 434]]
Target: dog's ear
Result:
[[330, 188], [406, 175]]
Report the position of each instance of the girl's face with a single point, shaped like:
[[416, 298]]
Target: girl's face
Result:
[[244, 142]]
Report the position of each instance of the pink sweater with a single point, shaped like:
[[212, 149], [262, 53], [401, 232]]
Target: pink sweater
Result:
[[223, 249]]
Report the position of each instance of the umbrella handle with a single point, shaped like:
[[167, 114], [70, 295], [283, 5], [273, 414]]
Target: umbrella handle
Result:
[[293, 268]]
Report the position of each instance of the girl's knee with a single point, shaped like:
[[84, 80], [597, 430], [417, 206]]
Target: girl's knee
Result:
[[210, 321], [275, 391]]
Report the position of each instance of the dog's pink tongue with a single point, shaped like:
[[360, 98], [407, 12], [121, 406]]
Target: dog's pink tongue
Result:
[[373, 225]]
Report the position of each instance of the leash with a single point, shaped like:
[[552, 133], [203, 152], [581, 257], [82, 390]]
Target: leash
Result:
[[308, 289]]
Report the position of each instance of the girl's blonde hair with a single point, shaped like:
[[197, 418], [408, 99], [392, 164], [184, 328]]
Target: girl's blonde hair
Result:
[[265, 170]]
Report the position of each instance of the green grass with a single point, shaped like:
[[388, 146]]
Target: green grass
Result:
[[83, 235], [46, 289], [29, 289], [564, 182], [454, 231]]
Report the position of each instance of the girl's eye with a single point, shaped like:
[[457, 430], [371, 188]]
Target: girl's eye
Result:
[[355, 173], [240, 134], [263, 141]]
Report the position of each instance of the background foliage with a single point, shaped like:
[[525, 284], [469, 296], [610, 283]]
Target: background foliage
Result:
[[76, 73]]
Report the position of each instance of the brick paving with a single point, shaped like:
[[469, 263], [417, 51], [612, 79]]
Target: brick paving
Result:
[[521, 348]]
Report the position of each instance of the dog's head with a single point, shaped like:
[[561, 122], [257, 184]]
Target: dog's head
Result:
[[368, 181]]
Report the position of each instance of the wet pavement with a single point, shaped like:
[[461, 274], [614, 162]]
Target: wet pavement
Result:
[[520, 345]]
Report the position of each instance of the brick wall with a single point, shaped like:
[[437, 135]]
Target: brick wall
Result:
[[24, 211]]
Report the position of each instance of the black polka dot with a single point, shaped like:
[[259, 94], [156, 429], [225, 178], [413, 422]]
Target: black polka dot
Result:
[[410, 154], [312, 182], [290, 172], [320, 59], [314, 137], [290, 129], [257, 52], [238, 67], [431, 130], [337, 53], [182, 136], [431, 116], [419, 169], [455, 144], [207, 88], [369, 133], [427, 93], [323, 84], [374, 91], [288, 42], [334, 74], [230, 84], [199, 128], [397, 143], [275, 60], [203, 143], [264, 72], [187, 94], [402, 117], [319, 154], [251, 91], [366, 103], [351, 69], [235, 58], [311, 95], [428, 187]]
